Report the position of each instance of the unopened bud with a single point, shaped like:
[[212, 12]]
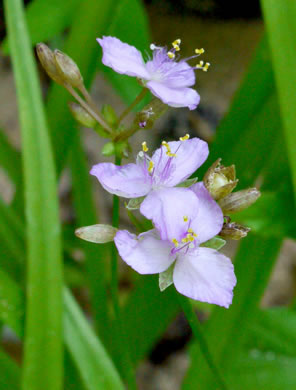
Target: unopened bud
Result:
[[68, 69], [234, 231], [220, 180], [109, 114], [99, 234], [81, 115], [46, 57], [238, 201]]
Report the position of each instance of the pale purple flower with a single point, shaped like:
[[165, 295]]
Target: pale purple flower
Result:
[[168, 79], [170, 165], [199, 273]]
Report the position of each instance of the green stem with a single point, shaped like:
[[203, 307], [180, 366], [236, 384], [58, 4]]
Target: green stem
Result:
[[134, 103], [198, 333], [122, 344], [91, 112]]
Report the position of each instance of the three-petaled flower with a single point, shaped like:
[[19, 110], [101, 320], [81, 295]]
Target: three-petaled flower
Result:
[[199, 273], [168, 79], [156, 177]]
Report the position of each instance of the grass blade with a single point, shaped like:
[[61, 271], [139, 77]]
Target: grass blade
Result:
[[279, 19], [43, 352]]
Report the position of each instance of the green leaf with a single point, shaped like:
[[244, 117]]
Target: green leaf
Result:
[[10, 158], [43, 352], [11, 304], [279, 19], [148, 302], [95, 367], [10, 373], [46, 19]]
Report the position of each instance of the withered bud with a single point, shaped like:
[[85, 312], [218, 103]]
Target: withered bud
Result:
[[81, 115], [46, 57], [220, 180], [234, 231], [238, 201], [99, 234], [149, 114], [68, 69]]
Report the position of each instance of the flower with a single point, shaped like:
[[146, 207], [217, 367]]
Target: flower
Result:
[[169, 80], [170, 165], [199, 273]]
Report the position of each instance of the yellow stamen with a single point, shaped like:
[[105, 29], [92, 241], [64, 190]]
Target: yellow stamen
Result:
[[144, 146], [177, 42], [175, 242], [190, 230], [184, 239], [185, 218], [190, 238], [185, 138], [150, 166], [168, 153], [206, 67], [200, 65], [199, 51], [171, 55]]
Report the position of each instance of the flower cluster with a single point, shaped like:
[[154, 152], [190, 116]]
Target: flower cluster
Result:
[[184, 219]]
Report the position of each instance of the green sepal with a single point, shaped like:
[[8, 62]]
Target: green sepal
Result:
[[166, 278], [214, 243], [188, 182], [135, 203]]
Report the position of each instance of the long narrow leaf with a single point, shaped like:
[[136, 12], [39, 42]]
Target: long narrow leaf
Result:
[[280, 24], [43, 355]]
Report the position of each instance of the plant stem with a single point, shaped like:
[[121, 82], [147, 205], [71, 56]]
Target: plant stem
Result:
[[91, 112], [134, 103], [122, 344], [198, 333]]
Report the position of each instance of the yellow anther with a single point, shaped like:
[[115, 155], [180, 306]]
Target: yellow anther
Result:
[[206, 67], [144, 146], [185, 239], [150, 166], [175, 242], [199, 51], [200, 65], [186, 137], [171, 55], [190, 238], [168, 153], [190, 230], [185, 218], [177, 42]]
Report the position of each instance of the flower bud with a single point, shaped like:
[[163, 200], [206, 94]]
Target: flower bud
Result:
[[68, 70], [220, 180], [234, 231], [239, 200], [99, 234], [46, 57], [81, 115]]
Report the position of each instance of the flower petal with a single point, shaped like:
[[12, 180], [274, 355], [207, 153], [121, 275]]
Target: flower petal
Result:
[[146, 254], [167, 208], [190, 155], [128, 181], [174, 97], [205, 275], [209, 220], [123, 58]]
